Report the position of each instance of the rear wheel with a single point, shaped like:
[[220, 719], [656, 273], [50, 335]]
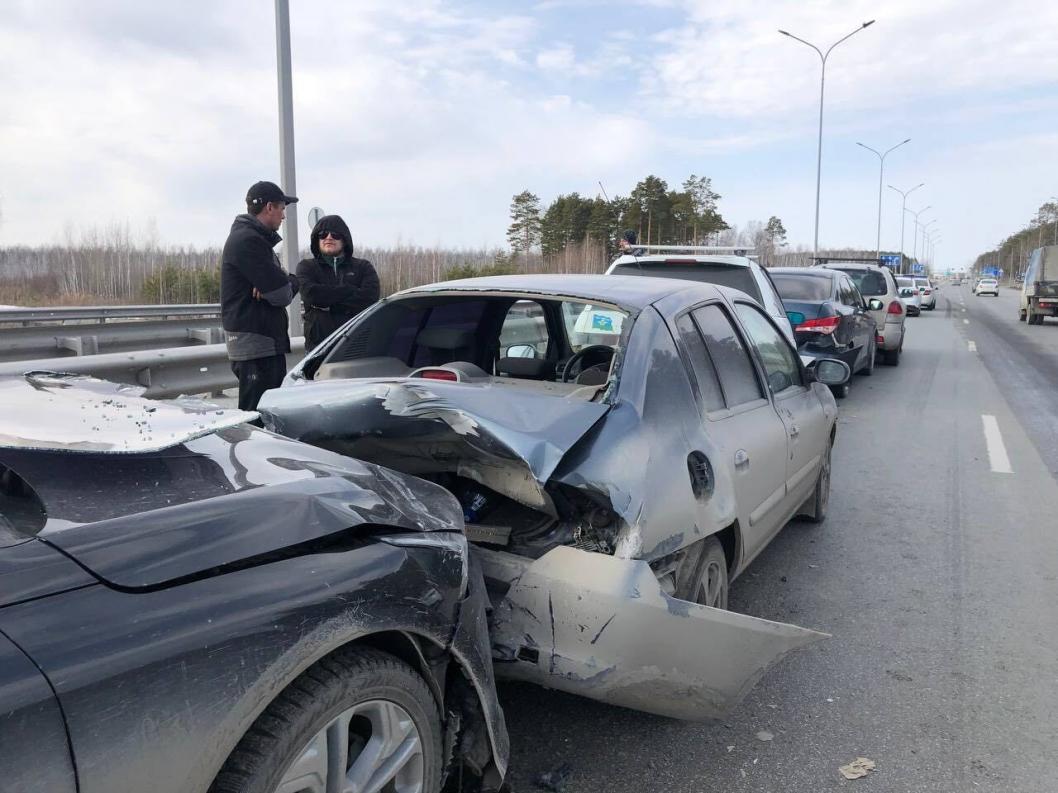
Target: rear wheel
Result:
[[821, 497], [1021, 315], [892, 357], [360, 719], [868, 368], [706, 582]]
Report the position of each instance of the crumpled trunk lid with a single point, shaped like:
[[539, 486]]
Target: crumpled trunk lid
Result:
[[506, 439]]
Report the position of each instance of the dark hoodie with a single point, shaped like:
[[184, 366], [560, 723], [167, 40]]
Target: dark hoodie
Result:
[[334, 290]]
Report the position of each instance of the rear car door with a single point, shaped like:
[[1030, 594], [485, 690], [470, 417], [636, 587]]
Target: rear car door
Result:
[[740, 417], [805, 422]]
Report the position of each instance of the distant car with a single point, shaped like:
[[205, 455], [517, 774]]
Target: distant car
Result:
[[874, 281], [190, 603], [621, 451], [987, 286], [830, 317], [719, 266], [926, 292], [909, 295]]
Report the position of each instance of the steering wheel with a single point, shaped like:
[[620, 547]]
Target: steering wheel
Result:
[[574, 367]]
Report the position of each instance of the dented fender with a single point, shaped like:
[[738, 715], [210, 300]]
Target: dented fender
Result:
[[602, 628]]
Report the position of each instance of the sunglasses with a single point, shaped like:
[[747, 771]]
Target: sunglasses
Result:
[[332, 234]]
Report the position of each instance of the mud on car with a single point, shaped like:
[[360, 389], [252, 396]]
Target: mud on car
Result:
[[189, 603], [622, 449]]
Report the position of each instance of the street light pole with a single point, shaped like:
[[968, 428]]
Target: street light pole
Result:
[[916, 214], [925, 226], [286, 151], [881, 171], [903, 211], [822, 83]]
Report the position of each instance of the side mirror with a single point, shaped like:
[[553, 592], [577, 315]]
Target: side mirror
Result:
[[831, 371], [520, 351], [874, 304]]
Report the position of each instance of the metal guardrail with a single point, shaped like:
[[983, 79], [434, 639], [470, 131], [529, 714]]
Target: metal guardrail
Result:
[[164, 373], [27, 333], [61, 314]]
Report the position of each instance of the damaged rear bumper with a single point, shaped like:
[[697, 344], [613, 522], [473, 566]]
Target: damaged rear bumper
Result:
[[601, 627]]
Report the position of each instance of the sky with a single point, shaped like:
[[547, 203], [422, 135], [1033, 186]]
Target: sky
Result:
[[417, 121]]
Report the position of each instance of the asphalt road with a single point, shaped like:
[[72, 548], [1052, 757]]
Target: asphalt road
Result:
[[936, 575]]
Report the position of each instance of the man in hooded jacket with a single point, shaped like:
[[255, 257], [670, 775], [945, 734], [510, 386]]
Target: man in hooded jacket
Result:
[[335, 286]]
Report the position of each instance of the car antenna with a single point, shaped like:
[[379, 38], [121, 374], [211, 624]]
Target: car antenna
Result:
[[631, 251]]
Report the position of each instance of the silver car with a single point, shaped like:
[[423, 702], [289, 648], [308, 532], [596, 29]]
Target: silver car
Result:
[[927, 292], [910, 296], [874, 281]]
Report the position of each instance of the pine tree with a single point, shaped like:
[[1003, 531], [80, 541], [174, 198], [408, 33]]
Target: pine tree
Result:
[[524, 232]]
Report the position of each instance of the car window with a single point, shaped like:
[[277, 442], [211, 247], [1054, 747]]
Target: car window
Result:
[[847, 293], [693, 346], [732, 361], [736, 276], [781, 365], [870, 283], [524, 325], [855, 294], [793, 286], [905, 282], [587, 325]]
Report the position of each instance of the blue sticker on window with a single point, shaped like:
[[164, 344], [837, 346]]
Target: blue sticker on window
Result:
[[602, 322]]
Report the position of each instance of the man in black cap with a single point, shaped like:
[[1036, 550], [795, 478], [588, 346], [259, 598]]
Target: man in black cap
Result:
[[335, 286], [254, 293]]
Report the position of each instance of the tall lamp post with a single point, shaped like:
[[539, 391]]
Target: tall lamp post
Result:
[[286, 151], [903, 211], [822, 82], [923, 227], [881, 171], [915, 233]]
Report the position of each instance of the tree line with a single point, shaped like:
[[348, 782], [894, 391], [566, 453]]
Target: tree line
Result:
[[1012, 253]]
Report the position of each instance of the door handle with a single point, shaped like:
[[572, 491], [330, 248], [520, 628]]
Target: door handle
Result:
[[741, 459]]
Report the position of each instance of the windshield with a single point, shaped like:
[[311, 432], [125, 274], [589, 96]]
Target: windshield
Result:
[[736, 276], [810, 286], [870, 282]]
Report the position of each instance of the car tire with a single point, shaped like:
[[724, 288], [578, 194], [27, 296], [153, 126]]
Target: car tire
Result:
[[868, 368], [840, 391], [1021, 316], [892, 357], [357, 697], [706, 579], [821, 497]]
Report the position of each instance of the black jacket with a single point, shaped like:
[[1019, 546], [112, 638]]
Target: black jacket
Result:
[[333, 292], [249, 263]]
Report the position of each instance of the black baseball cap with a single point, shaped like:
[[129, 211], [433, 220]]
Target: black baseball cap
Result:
[[261, 193]]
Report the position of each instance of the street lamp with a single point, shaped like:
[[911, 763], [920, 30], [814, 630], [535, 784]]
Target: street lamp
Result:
[[916, 214], [881, 170], [925, 226], [822, 82], [903, 209], [286, 152]]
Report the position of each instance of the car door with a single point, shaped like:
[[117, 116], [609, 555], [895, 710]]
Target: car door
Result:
[[866, 325], [805, 422], [740, 417], [850, 332]]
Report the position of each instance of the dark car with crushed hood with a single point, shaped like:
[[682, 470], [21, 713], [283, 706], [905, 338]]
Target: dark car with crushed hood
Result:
[[190, 603], [622, 448]]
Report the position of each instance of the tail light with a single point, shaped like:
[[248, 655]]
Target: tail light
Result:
[[927, 292], [879, 338], [826, 325], [895, 308], [439, 374]]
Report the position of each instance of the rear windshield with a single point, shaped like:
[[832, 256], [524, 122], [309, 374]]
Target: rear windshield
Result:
[[870, 282], [802, 287], [922, 282], [733, 275]]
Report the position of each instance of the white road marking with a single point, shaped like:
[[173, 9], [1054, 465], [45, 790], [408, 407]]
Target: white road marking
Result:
[[997, 452], [964, 309], [966, 322], [971, 346]]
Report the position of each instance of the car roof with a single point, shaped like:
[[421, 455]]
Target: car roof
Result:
[[812, 272], [689, 258], [626, 291], [849, 266]]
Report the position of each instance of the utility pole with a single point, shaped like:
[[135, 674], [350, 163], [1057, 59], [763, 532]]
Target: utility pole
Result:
[[286, 152]]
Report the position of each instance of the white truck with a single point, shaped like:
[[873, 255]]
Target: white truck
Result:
[[1039, 292]]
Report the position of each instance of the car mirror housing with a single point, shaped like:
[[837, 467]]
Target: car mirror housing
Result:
[[831, 371], [874, 304], [521, 351]]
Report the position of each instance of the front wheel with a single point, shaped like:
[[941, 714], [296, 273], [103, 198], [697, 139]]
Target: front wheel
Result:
[[360, 719]]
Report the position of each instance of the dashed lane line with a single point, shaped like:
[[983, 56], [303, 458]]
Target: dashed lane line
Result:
[[971, 346], [997, 451]]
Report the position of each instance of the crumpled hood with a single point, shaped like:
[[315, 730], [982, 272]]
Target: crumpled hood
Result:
[[508, 439], [243, 493]]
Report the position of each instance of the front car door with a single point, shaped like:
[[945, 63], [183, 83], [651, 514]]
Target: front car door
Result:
[[807, 424]]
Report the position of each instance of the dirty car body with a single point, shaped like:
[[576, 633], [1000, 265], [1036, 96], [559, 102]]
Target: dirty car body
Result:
[[597, 454], [167, 571]]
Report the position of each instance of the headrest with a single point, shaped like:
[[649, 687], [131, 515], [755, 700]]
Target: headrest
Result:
[[445, 338], [529, 368]]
